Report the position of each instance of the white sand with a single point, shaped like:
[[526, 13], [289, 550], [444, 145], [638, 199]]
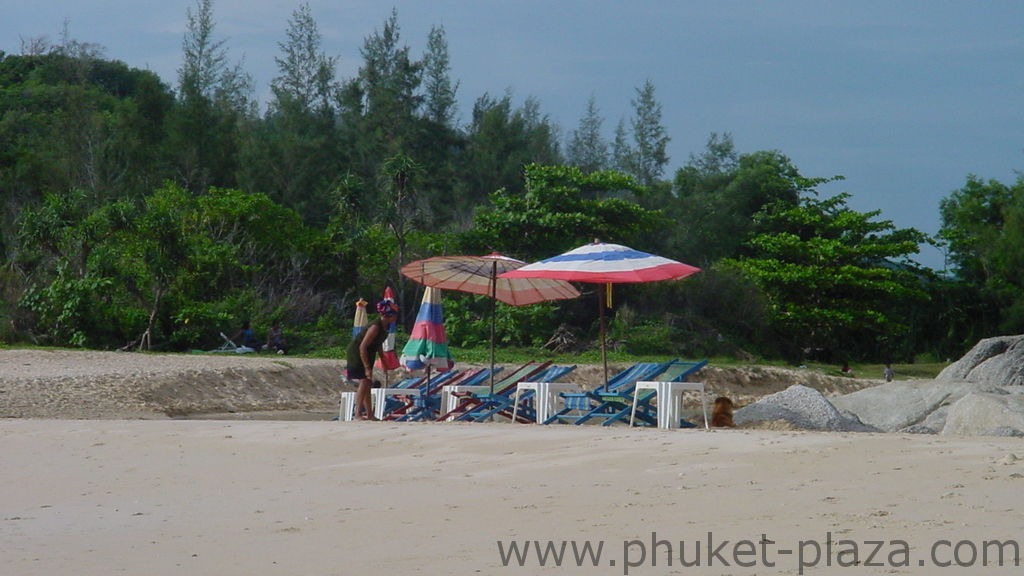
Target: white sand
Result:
[[100, 497]]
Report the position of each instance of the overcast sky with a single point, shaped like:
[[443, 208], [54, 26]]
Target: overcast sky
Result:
[[903, 98]]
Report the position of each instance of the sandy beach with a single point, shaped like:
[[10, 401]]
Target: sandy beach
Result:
[[214, 497], [157, 496]]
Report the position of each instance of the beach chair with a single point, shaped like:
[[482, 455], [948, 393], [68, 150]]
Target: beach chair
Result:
[[402, 401], [518, 404], [503, 403], [613, 403], [427, 404], [471, 401], [638, 406], [576, 405], [229, 346], [346, 410]]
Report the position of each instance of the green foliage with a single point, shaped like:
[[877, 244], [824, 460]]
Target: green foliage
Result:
[[67, 292], [440, 92], [175, 266], [587, 149], [69, 307], [982, 227], [289, 154], [500, 141], [561, 209], [467, 320], [831, 275], [973, 222], [718, 193], [205, 129], [375, 252], [77, 122], [132, 210], [647, 158], [629, 333]]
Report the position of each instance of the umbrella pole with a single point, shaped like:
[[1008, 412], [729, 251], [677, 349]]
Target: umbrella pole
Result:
[[494, 311], [604, 352], [426, 392]]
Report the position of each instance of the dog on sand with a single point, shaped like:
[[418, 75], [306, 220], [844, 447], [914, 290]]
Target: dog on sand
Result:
[[721, 417]]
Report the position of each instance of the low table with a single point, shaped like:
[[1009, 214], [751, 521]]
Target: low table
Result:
[[547, 394], [449, 398], [670, 401]]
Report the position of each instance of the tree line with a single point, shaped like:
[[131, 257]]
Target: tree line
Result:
[[141, 215]]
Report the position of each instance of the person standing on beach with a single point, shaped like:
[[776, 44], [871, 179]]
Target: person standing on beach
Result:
[[362, 353]]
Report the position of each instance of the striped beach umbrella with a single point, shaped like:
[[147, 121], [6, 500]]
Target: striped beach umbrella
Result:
[[428, 343], [482, 275], [361, 320], [601, 263]]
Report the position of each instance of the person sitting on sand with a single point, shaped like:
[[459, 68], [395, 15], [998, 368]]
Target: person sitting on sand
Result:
[[275, 339], [246, 337], [846, 369], [362, 353]]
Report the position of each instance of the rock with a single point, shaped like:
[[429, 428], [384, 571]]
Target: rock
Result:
[[1008, 460], [986, 414], [804, 408], [998, 360], [933, 424], [896, 406], [991, 375]]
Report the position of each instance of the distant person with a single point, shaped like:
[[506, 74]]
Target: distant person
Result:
[[362, 353], [275, 339], [246, 337], [846, 369], [888, 373]]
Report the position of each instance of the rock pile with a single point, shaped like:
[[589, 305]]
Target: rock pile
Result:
[[981, 394], [802, 407]]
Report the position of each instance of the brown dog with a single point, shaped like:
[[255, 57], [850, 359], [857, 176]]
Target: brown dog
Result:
[[721, 417]]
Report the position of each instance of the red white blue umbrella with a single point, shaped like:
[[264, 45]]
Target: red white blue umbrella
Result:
[[601, 263], [428, 343]]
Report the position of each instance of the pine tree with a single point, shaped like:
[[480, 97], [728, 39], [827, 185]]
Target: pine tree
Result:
[[306, 74], [214, 101], [440, 93], [587, 149], [649, 157]]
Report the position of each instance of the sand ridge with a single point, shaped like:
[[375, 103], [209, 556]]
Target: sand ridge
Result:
[[95, 384]]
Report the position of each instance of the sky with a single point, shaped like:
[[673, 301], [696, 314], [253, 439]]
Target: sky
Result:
[[904, 99]]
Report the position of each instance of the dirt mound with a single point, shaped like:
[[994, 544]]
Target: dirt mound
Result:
[[76, 384]]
